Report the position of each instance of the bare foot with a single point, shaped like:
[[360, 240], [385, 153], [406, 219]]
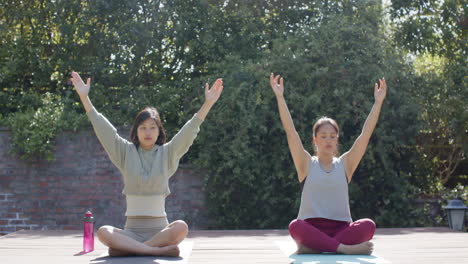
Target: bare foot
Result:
[[301, 249], [365, 248], [168, 251]]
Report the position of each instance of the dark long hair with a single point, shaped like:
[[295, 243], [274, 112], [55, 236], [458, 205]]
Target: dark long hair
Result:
[[148, 112]]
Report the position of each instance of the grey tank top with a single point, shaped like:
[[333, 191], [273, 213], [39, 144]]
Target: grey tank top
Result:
[[325, 194]]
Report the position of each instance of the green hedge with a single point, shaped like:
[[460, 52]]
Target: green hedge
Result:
[[329, 70], [160, 53]]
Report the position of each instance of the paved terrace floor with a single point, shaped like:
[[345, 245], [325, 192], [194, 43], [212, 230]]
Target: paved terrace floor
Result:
[[397, 245]]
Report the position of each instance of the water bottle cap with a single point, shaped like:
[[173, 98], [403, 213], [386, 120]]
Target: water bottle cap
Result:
[[88, 217]]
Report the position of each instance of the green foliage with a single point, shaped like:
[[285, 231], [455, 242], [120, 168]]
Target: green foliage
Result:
[[330, 53], [432, 26], [435, 213], [443, 138], [237, 143], [118, 42], [13, 100], [120, 104], [435, 31], [328, 70], [459, 192], [33, 130]]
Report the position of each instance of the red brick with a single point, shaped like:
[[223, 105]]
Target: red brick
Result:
[[14, 210], [16, 222], [7, 229], [79, 210], [9, 216], [8, 178], [70, 228], [7, 203], [69, 186]]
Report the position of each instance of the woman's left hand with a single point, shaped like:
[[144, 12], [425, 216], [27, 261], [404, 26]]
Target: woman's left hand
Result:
[[380, 90], [212, 95]]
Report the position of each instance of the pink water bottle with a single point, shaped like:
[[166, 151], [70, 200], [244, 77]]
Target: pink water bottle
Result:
[[88, 232]]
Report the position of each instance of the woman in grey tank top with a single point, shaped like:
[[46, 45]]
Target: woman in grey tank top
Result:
[[324, 221]]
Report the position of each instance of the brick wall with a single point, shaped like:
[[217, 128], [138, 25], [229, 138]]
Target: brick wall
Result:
[[40, 195]]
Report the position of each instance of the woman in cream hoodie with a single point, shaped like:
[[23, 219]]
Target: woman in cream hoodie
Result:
[[146, 162]]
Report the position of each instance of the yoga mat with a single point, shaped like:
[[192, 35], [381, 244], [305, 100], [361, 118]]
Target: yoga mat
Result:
[[289, 248], [185, 251]]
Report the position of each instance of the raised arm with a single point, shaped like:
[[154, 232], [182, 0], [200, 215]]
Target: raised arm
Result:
[[114, 145], [355, 154], [182, 141], [300, 156]]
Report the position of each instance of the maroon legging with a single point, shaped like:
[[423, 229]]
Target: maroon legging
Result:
[[325, 235]]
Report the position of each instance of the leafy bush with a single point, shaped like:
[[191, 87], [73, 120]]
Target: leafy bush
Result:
[[160, 53], [328, 70], [34, 130]]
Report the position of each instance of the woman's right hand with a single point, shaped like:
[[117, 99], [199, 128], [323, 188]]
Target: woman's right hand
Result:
[[81, 88], [278, 87]]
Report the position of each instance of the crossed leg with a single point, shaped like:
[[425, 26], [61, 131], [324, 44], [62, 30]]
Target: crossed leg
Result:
[[353, 239], [163, 243]]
